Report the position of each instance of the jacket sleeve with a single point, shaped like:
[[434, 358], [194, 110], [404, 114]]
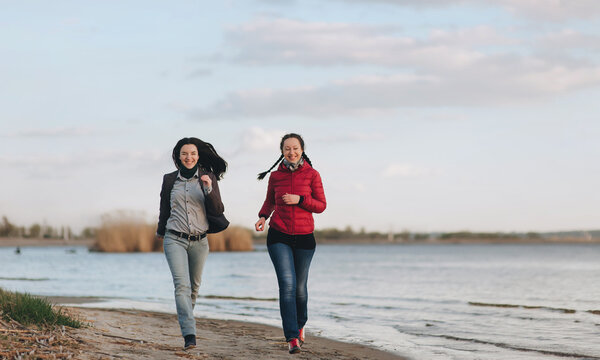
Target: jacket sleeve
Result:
[[212, 201], [165, 208], [269, 204], [315, 202]]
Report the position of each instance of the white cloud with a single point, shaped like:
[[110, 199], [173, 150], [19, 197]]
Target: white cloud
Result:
[[285, 41], [552, 10], [569, 39], [547, 10], [199, 73], [495, 82], [53, 132], [71, 160], [406, 170], [446, 68], [258, 139]]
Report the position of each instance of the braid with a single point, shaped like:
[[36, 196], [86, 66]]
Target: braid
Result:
[[306, 158], [264, 173]]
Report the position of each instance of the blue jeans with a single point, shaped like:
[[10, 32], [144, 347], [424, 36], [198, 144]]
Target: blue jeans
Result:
[[186, 260], [291, 266]]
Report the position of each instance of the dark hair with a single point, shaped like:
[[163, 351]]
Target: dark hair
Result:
[[208, 157], [283, 139]]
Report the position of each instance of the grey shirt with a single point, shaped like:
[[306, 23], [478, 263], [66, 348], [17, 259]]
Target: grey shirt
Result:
[[188, 214]]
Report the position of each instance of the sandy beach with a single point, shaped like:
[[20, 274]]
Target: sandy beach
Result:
[[132, 334]]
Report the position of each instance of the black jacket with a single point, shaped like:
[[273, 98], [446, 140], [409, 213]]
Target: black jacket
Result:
[[212, 202]]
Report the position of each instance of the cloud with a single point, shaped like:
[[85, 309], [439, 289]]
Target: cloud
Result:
[[497, 82], [406, 170], [199, 73], [552, 10], [285, 41], [352, 137], [69, 161], [545, 10], [568, 39], [256, 139], [445, 68], [52, 132]]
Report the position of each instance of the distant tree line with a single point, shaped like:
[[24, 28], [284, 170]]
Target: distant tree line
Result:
[[36, 231], [348, 233]]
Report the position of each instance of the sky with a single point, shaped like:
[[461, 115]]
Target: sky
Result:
[[420, 115]]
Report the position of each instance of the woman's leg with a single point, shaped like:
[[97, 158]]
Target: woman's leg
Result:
[[176, 252], [302, 259], [283, 261], [197, 254]]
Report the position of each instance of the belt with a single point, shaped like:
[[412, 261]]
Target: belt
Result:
[[187, 236]]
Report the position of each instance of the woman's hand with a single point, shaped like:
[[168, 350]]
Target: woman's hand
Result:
[[291, 199], [260, 224], [206, 181]]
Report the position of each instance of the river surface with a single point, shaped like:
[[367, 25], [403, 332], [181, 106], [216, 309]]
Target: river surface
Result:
[[489, 301]]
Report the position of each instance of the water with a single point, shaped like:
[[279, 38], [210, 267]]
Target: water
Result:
[[420, 301]]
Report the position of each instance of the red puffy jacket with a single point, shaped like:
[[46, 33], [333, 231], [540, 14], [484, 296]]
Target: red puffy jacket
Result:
[[294, 219]]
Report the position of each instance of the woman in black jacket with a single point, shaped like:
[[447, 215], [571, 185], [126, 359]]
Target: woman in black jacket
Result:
[[190, 207]]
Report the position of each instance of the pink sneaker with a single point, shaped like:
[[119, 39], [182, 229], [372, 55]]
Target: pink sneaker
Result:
[[294, 346], [301, 336]]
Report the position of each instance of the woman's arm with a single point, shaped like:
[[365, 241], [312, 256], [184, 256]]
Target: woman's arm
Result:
[[212, 200], [269, 203], [165, 208], [315, 202]]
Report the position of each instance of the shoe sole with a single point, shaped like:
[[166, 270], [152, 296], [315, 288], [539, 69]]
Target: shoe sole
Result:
[[189, 347], [295, 351]]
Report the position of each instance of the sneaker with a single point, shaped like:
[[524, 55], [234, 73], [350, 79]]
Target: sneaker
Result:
[[294, 346], [301, 336], [190, 342]]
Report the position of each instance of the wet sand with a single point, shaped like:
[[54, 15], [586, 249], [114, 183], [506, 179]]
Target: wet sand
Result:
[[132, 334]]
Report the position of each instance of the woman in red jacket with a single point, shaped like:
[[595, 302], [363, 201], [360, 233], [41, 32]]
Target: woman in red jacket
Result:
[[295, 192]]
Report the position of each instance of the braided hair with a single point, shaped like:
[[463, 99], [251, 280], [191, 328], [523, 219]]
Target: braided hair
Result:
[[283, 139], [208, 157]]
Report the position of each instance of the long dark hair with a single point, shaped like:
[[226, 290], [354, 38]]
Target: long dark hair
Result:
[[283, 139], [208, 157]]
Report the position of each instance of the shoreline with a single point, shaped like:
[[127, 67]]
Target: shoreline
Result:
[[140, 334], [23, 242]]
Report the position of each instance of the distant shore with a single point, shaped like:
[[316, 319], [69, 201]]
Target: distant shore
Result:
[[25, 242], [435, 241]]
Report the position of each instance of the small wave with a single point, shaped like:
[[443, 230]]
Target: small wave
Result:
[[24, 279], [509, 346], [222, 297], [566, 311], [240, 276]]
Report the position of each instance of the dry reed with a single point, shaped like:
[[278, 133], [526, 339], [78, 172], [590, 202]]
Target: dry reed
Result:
[[127, 232], [234, 238]]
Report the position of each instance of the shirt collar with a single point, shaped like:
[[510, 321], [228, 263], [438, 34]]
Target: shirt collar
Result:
[[184, 179]]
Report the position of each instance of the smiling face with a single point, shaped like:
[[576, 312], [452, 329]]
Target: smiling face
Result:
[[292, 150], [188, 155]]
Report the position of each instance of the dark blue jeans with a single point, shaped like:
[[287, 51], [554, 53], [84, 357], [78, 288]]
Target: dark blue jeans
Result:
[[291, 265]]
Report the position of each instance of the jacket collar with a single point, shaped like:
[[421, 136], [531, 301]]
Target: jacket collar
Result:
[[302, 167]]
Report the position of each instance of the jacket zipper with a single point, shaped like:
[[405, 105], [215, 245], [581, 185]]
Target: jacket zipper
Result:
[[293, 206]]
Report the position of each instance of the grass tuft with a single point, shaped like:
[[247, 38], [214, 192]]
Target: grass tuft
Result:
[[30, 310]]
